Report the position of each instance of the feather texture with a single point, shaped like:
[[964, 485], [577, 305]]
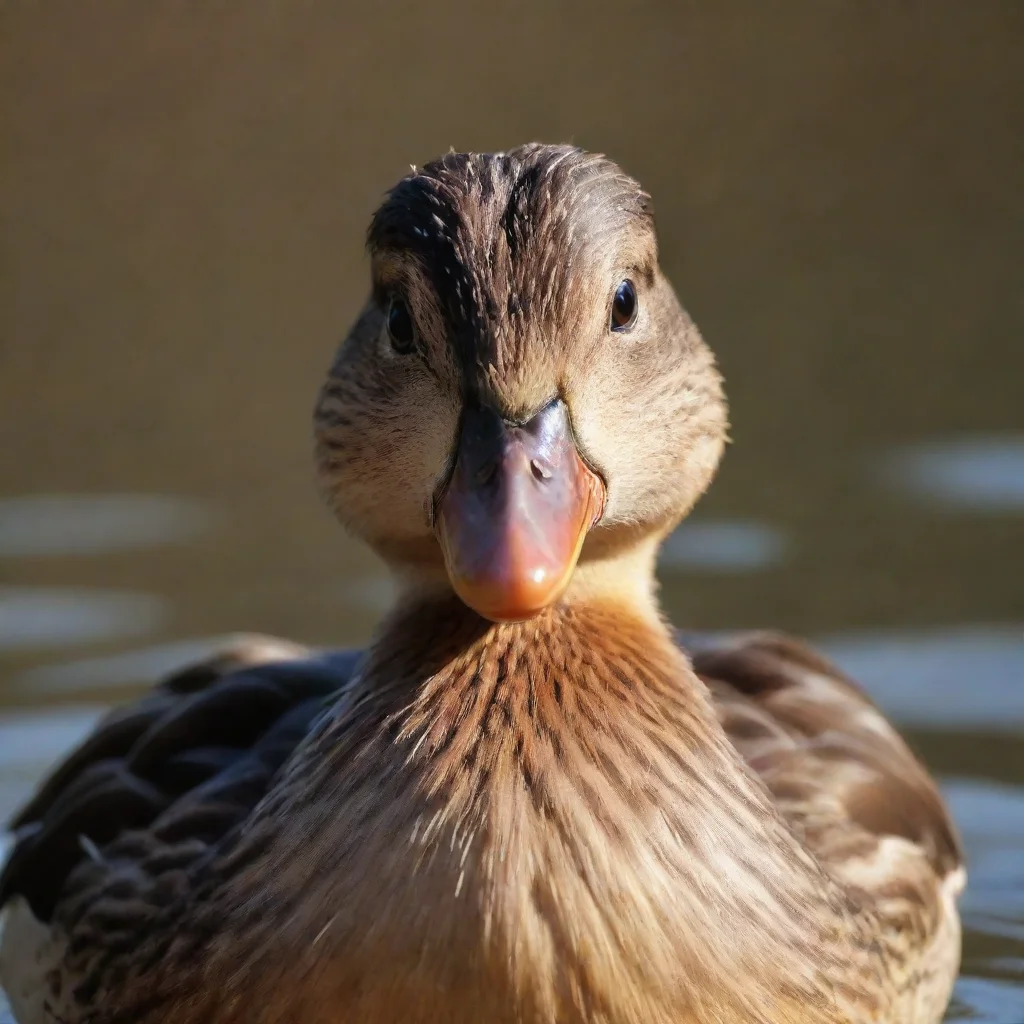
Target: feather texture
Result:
[[178, 777]]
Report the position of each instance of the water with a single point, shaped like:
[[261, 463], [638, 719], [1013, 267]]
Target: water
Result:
[[838, 196]]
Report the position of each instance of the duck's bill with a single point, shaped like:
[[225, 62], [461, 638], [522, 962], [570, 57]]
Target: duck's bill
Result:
[[516, 511]]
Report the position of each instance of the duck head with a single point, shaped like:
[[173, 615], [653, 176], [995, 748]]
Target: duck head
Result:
[[522, 396]]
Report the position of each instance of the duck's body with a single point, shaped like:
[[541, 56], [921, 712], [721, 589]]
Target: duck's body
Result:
[[552, 820], [529, 822]]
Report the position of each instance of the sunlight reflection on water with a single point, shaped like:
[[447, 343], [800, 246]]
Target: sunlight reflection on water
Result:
[[723, 546], [131, 669], [972, 474], [79, 524], [41, 617], [957, 677]]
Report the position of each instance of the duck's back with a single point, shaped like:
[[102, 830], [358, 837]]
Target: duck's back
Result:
[[854, 794], [148, 796]]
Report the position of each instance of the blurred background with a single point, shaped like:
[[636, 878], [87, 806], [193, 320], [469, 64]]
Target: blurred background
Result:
[[839, 188]]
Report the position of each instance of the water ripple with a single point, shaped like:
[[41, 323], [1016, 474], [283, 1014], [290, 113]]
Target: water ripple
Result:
[[127, 669], [723, 546], [88, 524], [955, 678], [974, 474], [40, 617]]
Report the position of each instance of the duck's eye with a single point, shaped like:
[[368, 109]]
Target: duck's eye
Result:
[[401, 330], [624, 307]]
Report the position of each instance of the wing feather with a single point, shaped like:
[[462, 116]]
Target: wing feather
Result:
[[186, 762]]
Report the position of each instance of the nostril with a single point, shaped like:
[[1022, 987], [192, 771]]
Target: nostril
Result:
[[541, 471]]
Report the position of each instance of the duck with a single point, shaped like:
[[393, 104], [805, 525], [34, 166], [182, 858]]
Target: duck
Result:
[[529, 800]]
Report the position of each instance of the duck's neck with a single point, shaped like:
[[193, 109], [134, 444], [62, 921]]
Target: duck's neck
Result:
[[521, 807], [623, 576]]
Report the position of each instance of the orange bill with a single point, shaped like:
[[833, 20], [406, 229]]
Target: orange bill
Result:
[[516, 511]]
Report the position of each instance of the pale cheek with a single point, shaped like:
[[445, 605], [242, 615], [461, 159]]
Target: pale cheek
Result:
[[387, 452], [618, 432], [411, 459], [600, 443]]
